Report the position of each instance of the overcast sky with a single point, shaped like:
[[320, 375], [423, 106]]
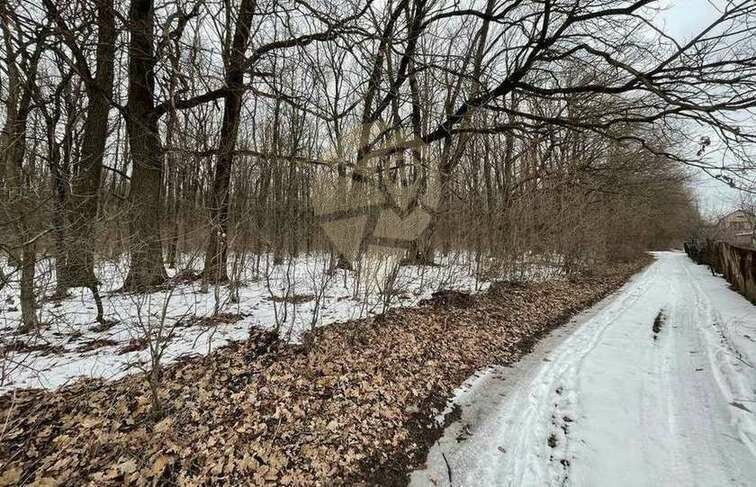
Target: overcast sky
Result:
[[681, 20]]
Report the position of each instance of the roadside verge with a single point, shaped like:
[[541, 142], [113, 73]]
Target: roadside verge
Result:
[[356, 406]]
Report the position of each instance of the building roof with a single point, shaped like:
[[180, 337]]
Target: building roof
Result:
[[746, 214]]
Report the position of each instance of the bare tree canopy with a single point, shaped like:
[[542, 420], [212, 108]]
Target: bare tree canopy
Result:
[[212, 120]]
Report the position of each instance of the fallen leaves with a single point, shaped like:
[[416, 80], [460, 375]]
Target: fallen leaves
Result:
[[134, 345], [158, 466], [164, 425], [355, 406], [10, 476]]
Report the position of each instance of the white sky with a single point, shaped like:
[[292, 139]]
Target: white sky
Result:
[[681, 20]]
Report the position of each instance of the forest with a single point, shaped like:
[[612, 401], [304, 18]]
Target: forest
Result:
[[201, 127]]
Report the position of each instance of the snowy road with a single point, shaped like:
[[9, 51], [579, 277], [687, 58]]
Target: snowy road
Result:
[[603, 403]]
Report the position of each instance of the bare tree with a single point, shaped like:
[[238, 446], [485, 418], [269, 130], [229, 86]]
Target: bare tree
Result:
[[22, 55], [78, 258]]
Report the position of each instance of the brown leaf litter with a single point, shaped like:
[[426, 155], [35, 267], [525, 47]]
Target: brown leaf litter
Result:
[[354, 407]]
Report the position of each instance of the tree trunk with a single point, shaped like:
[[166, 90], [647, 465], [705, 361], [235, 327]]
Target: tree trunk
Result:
[[216, 257], [85, 185], [60, 193], [145, 206], [15, 204], [420, 251], [171, 193], [28, 303]]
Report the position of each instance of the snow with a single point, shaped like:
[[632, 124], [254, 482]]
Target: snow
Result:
[[601, 402], [294, 296]]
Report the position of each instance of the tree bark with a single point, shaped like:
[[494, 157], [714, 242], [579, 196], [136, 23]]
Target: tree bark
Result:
[[16, 203], [216, 257], [145, 206], [85, 185]]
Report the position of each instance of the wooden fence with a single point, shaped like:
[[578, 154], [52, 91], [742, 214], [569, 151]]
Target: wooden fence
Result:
[[736, 264]]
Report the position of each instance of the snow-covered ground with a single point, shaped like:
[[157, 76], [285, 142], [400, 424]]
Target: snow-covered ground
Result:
[[609, 400], [294, 296]]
